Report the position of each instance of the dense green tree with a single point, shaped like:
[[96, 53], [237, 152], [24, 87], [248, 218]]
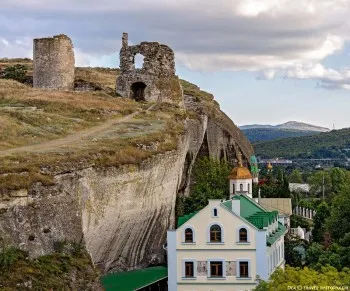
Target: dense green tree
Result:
[[338, 222], [275, 185], [296, 221], [322, 213], [344, 243], [211, 182], [317, 181], [313, 254], [282, 280], [295, 177], [339, 179], [333, 254], [294, 250]]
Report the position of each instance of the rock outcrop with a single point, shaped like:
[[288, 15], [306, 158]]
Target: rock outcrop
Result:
[[121, 214]]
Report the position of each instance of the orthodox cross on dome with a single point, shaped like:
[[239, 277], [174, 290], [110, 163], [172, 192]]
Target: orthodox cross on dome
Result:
[[239, 156]]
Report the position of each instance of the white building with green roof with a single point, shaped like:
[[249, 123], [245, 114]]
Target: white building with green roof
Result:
[[226, 245]]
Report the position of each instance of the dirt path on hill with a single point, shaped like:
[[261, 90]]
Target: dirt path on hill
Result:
[[72, 138]]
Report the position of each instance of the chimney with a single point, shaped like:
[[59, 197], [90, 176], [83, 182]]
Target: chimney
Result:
[[236, 206]]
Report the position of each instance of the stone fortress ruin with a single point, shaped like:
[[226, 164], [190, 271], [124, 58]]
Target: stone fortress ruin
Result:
[[156, 80], [53, 63]]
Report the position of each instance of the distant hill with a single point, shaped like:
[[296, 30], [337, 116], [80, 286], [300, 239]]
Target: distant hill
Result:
[[332, 144], [294, 125], [260, 132], [265, 134]]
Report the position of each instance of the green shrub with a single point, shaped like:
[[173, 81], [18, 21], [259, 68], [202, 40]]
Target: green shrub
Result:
[[9, 255], [16, 72]]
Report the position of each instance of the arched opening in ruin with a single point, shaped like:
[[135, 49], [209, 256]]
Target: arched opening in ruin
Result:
[[138, 61], [138, 91]]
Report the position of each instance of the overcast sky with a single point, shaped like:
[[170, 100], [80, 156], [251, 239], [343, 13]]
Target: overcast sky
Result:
[[266, 61]]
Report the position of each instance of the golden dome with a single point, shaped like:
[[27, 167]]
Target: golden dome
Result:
[[269, 166], [240, 173]]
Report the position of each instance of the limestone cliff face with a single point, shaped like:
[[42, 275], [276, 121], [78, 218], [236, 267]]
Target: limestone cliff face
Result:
[[121, 214]]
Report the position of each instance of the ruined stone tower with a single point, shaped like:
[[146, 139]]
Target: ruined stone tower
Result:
[[156, 80], [53, 63]]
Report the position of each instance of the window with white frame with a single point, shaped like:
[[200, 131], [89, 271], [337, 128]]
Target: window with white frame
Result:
[[215, 233], [188, 235], [243, 235], [216, 268], [243, 268], [189, 268], [215, 212]]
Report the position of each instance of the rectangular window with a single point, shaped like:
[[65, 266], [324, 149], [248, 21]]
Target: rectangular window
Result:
[[216, 269], [243, 269], [189, 269]]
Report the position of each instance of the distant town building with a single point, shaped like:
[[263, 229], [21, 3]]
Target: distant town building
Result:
[[227, 245], [299, 187], [276, 162]]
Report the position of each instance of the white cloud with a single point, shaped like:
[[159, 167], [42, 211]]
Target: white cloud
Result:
[[17, 48], [267, 37], [4, 41], [327, 78]]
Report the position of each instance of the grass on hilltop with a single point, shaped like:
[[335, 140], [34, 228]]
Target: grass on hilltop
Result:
[[33, 116]]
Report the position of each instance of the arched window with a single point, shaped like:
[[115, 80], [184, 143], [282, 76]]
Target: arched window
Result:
[[233, 187], [215, 212], [188, 235], [215, 233], [243, 235], [241, 187]]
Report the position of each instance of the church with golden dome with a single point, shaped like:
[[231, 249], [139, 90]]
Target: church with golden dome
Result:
[[241, 180], [228, 244]]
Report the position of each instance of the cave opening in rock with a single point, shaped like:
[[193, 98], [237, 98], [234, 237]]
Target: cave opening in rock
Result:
[[222, 155], [138, 91]]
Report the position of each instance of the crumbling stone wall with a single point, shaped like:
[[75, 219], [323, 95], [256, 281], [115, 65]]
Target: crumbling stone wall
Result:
[[156, 80], [53, 63]]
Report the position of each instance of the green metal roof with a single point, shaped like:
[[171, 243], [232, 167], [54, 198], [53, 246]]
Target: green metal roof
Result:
[[252, 212], [248, 207], [183, 219], [228, 204], [133, 280], [270, 240]]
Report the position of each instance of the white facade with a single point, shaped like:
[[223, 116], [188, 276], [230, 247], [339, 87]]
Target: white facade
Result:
[[240, 255]]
